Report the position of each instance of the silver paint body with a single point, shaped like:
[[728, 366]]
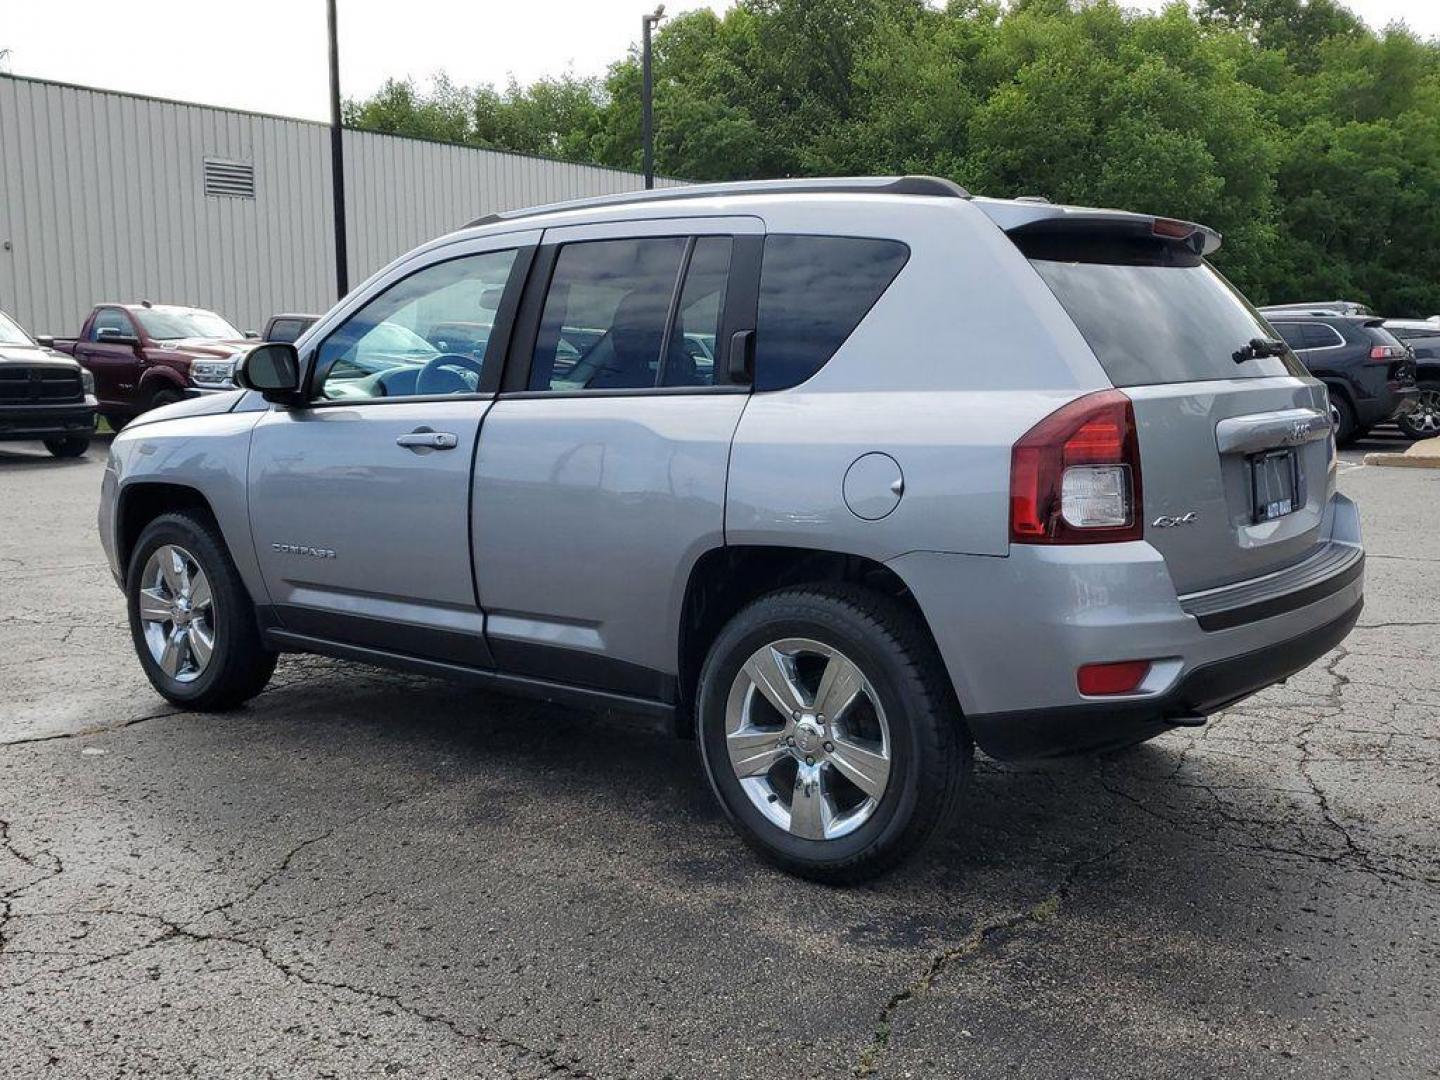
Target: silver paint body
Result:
[[583, 516]]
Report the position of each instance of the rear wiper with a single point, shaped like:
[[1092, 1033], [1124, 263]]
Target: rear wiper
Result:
[[1259, 347]]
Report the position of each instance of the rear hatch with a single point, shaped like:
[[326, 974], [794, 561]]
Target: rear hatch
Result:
[[1236, 458]]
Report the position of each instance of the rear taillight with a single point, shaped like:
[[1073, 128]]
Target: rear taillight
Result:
[[1075, 476], [1385, 353]]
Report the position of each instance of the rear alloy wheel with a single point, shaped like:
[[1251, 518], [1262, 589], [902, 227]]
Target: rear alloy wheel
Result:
[[1423, 422], [68, 446], [191, 619], [829, 733], [1342, 417]]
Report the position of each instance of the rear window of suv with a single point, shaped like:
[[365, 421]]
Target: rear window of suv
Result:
[[814, 290], [1152, 313]]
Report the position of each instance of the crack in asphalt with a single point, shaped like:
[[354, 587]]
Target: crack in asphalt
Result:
[[994, 932], [172, 931], [96, 729], [7, 898]]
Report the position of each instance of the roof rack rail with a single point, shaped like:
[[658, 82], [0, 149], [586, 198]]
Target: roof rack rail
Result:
[[852, 185]]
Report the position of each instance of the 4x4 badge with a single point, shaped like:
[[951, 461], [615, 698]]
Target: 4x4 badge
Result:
[[1164, 522]]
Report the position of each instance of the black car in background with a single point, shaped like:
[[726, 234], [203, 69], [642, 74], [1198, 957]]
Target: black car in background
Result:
[[1370, 373], [1423, 337], [44, 395]]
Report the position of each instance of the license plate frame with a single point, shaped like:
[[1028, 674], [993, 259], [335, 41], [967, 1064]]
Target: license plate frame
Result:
[[1276, 490]]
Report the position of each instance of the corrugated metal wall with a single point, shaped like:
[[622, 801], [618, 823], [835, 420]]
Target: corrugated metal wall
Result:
[[102, 198]]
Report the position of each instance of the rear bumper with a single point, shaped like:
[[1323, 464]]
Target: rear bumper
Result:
[[47, 421], [1204, 690], [1013, 631]]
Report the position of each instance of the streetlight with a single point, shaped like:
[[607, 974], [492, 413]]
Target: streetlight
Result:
[[647, 91]]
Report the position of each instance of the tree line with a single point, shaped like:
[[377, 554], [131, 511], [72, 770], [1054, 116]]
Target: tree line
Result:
[[1310, 140]]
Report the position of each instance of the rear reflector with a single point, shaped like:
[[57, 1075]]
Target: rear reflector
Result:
[[1075, 476], [1120, 677]]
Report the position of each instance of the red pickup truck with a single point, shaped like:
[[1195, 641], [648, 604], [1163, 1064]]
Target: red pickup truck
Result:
[[146, 355]]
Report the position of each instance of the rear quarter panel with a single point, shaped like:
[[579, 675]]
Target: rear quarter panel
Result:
[[963, 353]]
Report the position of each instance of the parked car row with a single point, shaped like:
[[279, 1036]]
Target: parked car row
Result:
[[128, 359], [1376, 370]]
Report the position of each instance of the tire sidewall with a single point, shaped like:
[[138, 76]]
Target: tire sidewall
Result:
[[174, 529], [780, 617]]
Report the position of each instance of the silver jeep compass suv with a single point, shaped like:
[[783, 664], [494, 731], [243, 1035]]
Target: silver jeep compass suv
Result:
[[841, 476]]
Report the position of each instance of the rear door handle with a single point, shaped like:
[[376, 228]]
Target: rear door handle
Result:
[[425, 439]]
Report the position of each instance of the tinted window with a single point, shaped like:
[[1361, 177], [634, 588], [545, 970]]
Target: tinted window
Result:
[[112, 320], [400, 343], [1322, 336], [1160, 318], [1292, 333], [814, 290], [690, 359], [605, 314], [287, 329]]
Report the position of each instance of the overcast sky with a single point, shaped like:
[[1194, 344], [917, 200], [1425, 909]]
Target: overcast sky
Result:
[[269, 55]]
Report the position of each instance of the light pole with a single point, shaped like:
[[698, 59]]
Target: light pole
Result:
[[337, 155], [647, 93]]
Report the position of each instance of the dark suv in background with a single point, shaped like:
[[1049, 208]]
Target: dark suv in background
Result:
[[1423, 338], [1369, 372]]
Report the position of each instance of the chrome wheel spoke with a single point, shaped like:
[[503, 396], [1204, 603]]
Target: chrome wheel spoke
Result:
[[172, 569], [199, 592], [771, 672], [753, 752], [810, 813], [172, 653], [841, 684], [202, 644], [867, 769], [154, 606]]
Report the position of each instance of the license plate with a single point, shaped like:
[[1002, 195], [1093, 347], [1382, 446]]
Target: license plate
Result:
[[1274, 485]]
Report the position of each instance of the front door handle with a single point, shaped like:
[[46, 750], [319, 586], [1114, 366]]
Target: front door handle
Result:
[[425, 439]]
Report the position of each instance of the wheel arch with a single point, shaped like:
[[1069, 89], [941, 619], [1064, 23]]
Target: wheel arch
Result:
[[142, 501], [723, 580]]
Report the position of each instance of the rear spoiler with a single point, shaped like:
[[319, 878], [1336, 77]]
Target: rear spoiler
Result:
[[1031, 218]]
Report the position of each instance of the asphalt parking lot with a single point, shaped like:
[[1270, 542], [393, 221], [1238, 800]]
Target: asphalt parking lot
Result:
[[365, 874]]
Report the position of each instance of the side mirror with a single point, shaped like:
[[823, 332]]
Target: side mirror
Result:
[[45, 341], [252, 335], [273, 369]]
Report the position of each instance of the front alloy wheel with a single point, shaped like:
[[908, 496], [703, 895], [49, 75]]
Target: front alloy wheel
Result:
[[807, 739], [177, 612]]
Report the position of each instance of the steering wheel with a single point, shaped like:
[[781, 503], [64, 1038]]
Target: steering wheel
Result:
[[449, 373]]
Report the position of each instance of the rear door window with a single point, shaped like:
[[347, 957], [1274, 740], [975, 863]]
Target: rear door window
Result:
[[1292, 333], [814, 290], [1153, 314]]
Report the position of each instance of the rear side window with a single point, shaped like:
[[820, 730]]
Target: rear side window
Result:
[[814, 290], [1293, 333], [1322, 336], [1153, 313]]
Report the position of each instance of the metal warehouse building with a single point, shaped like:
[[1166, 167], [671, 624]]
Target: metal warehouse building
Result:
[[107, 196]]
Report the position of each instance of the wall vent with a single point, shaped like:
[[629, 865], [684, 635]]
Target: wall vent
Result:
[[233, 178]]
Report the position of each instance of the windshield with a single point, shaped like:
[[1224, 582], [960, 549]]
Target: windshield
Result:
[[10, 332], [1157, 317], [171, 324]]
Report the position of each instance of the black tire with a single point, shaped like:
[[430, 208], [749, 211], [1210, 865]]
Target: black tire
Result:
[[68, 446], [240, 664], [1424, 421], [930, 749], [1343, 415], [165, 397]]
